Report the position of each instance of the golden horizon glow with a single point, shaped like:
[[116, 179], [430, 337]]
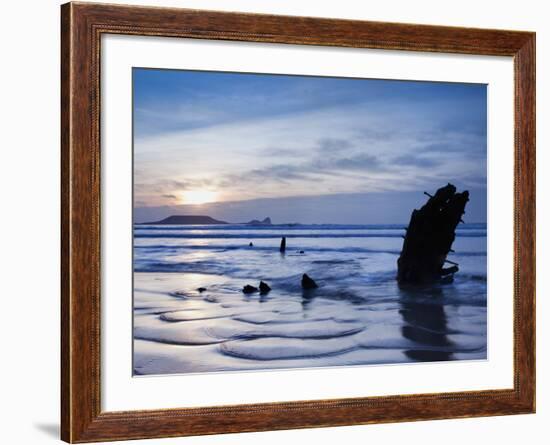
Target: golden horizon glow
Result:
[[197, 197]]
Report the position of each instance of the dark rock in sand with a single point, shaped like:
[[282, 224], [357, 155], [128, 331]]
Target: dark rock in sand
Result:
[[201, 289], [282, 247], [264, 287], [429, 238], [308, 283], [248, 289]]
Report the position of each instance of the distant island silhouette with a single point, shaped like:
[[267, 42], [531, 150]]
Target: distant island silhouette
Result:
[[264, 222], [187, 220], [202, 220]]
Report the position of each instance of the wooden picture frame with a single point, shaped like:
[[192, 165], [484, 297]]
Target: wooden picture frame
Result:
[[82, 26]]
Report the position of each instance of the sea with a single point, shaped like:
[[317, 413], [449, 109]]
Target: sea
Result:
[[191, 315]]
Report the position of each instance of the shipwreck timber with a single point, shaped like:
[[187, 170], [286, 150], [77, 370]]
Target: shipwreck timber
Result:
[[429, 238]]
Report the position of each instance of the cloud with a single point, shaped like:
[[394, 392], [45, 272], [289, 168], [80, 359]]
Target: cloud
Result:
[[328, 144], [378, 134], [391, 207], [313, 171], [280, 173], [416, 161], [363, 162], [184, 100], [333, 145]]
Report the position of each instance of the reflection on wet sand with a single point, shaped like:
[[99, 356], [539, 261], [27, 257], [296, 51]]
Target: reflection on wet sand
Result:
[[425, 323]]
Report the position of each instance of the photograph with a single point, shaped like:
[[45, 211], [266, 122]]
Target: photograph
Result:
[[282, 219], [285, 221]]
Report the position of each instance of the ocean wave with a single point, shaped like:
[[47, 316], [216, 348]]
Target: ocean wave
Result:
[[204, 267], [163, 227], [252, 236], [166, 248]]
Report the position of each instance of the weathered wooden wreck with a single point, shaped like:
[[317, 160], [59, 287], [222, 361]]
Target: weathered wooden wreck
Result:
[[429, 238]]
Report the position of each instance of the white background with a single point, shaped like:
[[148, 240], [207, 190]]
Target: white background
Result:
[[121, 392], [29, 252]]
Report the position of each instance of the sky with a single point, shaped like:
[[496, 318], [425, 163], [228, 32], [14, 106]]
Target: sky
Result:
[[303, 149]]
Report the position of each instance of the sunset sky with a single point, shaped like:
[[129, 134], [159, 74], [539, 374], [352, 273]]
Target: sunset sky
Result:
[[303, 149]]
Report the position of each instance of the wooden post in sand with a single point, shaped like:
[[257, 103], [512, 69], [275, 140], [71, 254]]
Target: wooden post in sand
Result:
[[430, 236], [282, 248]]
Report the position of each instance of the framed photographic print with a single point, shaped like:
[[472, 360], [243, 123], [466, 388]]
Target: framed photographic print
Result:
[[276, 222]]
